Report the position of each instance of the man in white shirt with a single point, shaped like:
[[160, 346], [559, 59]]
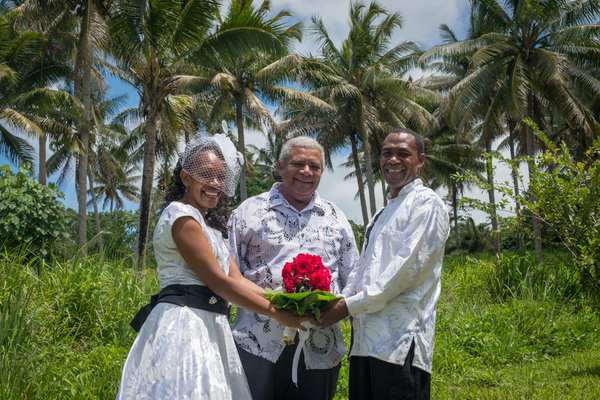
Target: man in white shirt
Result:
[[393, 290], [269, 230]]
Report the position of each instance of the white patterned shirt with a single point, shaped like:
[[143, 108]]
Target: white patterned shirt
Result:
[[265, 232], [393, 291]]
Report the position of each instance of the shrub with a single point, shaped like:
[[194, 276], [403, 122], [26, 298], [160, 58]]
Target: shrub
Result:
[[30, 213], [564, 194]]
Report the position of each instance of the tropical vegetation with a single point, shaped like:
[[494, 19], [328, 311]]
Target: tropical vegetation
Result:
[[520, 89]]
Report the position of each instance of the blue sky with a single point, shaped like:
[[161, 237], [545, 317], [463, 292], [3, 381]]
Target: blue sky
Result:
[[421, 22]]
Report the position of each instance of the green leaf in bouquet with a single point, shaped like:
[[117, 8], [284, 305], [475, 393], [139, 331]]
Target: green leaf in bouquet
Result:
[[298, 303]]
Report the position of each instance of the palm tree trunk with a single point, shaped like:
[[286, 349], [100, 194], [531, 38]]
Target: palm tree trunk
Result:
[[239, 116], [83, 161], [42, 160], [537, 227], [359, 179], [455, 211], [367, 155], [511, 143], [83, 46], [95, 203], [492, 197], [141, 241]]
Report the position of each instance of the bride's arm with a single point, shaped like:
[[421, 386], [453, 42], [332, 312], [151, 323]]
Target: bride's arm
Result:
[[193, 246], [235, 273]]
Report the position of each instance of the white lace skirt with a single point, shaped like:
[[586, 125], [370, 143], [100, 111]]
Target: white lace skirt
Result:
[[183, 353]]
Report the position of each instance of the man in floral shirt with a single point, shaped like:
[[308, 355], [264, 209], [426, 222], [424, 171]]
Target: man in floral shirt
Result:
[[266, 232], [392, 292]]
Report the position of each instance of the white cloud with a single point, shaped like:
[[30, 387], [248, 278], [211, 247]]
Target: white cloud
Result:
[[421, 19]]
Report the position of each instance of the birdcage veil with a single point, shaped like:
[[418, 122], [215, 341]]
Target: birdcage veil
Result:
[[213, 160]]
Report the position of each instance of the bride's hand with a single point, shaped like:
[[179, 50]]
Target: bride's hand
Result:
[[288, 318]]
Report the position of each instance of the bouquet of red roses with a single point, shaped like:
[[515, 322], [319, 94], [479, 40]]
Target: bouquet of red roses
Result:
[[306, 282]]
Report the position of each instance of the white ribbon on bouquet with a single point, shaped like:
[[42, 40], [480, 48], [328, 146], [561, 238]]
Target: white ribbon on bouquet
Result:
[[301, 339]]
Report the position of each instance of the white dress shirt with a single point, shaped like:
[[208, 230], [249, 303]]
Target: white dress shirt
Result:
[[393, 291], [265, 232]]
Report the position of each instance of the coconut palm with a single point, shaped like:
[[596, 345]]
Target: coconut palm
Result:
[[154, 43], [363, 81], [269, 154], [16, 52], [530, 63], [235, 81], [377, 175], [447, 156], [112, 167], [452, 69], [115, 183], [27, 105], [146, 39], [85, 20]]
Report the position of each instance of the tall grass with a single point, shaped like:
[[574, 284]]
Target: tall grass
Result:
[[65, 332], [505, 330]]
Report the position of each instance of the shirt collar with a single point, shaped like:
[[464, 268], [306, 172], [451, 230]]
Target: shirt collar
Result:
[[417, 183], [276, 199]]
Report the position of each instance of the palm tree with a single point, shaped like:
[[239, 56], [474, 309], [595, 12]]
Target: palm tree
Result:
[[453, 69], [55, 18], [447, 156], [26, 104], [234, 81], [16, 52], [115, 183], [363, 81], [376, 170], [269, 154], [146, 39], [530, 63], [112, 167], [154, 42]]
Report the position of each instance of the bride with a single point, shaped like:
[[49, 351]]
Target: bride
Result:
[[184, 349]]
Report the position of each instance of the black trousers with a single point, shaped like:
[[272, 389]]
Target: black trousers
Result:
[[373, 379], [273, 381]]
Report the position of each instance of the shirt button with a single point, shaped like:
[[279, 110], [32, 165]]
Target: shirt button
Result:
[[299, 214]]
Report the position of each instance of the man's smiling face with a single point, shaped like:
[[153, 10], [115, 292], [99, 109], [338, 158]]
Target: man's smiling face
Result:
[[300, 175], [400, 161]]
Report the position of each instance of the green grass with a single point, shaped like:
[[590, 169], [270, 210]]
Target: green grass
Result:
[[505, 333], [509, 330]]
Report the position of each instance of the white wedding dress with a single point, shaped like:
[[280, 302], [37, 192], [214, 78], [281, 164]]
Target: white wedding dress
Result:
[[181, 352]]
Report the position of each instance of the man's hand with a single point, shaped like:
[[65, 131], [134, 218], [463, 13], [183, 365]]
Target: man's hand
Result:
[[333, 312]]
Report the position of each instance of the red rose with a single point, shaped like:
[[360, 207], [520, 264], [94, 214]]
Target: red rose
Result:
[[321, 280], [288, 279], [301, 266], [306, 271]]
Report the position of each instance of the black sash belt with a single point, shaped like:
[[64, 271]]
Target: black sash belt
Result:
[[193, 296]]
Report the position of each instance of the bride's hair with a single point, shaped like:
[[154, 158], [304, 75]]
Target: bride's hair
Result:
[[215, 217]]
